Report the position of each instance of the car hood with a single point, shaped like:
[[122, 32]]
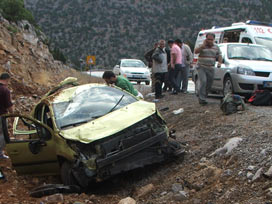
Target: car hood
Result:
[[133, 69], [256, 65], [110, 123]]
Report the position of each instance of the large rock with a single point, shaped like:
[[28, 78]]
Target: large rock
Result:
[[269, 172], [145, 190], [228, 147], [56, 198], [127, 200]]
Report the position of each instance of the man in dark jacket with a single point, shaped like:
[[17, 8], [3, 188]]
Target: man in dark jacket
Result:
[[159, 68], [148, 58], [5, 107]]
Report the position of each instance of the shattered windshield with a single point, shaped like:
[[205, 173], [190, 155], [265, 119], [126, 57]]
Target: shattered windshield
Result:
[[249, 52], [89, 103]]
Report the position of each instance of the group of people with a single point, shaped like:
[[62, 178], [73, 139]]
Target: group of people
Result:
[[170, 66]]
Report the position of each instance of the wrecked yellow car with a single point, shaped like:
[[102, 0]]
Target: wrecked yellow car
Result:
[[87, 133]]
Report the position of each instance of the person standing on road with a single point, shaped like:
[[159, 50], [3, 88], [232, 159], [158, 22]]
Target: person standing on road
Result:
[[5, 107], [121, 82], [187, 58], [208, 53], [176, 66], [167, 81], [159, 68], [148, 58]]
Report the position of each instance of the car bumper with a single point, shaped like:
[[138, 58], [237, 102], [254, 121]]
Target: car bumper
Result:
[[152, 150], [248, 84], [138, 77]]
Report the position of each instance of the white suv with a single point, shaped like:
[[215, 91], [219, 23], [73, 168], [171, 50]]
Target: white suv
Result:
[[245, 68]]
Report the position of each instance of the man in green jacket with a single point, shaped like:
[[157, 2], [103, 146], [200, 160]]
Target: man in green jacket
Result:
[[121, 82]]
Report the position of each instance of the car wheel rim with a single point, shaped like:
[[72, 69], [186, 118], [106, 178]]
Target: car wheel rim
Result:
[[228, 87]]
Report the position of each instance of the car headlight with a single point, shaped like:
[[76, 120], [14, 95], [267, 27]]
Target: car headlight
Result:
[[126, 72], [146, 72], [245, 71]]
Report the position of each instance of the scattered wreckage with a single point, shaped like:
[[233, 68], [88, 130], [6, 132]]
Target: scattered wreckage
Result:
[[87, 133]]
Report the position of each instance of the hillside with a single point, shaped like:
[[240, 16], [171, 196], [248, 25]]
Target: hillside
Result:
[[28, 60], [114, 29]]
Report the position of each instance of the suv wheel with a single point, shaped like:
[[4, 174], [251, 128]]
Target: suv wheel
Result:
[[228, 87], [67, 176]]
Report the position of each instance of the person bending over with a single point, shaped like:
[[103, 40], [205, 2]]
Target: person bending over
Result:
[[121, 82]]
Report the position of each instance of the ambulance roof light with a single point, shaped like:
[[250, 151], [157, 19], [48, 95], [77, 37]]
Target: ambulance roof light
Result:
[[253, 22]]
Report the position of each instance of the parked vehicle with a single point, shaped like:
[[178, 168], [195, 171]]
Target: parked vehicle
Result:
[[245, 68], [87, 133], [253, 32], [133, 69]]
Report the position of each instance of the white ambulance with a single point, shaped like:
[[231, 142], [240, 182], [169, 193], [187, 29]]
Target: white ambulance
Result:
[[254, 32]]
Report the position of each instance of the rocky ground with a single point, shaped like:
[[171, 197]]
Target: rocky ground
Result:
[[227, 160], [208, 173]]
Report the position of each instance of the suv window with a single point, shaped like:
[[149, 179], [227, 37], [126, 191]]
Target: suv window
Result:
[[247, 52], [264, 41], [90, 103], [246, 40]]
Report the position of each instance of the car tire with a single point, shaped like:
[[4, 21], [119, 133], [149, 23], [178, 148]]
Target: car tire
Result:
[[228, 86], [66, 174], [147, 82], [138, 82]]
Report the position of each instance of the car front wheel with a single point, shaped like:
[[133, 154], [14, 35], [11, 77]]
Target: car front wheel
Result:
[[67, 176], [147, 82], [228, 87]]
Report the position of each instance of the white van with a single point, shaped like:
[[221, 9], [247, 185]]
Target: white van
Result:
[[249, 32]]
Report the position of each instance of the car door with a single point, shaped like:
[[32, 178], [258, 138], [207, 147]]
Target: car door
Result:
[[30, 145], [219, 73]]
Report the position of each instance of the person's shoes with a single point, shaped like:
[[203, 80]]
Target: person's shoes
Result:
[[174, 92], [3, 156], [184, 91], [160, 96], [201, 102]]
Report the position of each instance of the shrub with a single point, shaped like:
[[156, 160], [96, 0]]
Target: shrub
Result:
[[14, 10], [58, 55]]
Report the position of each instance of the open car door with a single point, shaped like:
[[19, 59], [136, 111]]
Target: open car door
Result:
[[30, 145]]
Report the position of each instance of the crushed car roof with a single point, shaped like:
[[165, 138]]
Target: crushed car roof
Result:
[[106, 125]]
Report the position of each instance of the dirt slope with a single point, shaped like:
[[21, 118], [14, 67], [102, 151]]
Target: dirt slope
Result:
[[221, 179]]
